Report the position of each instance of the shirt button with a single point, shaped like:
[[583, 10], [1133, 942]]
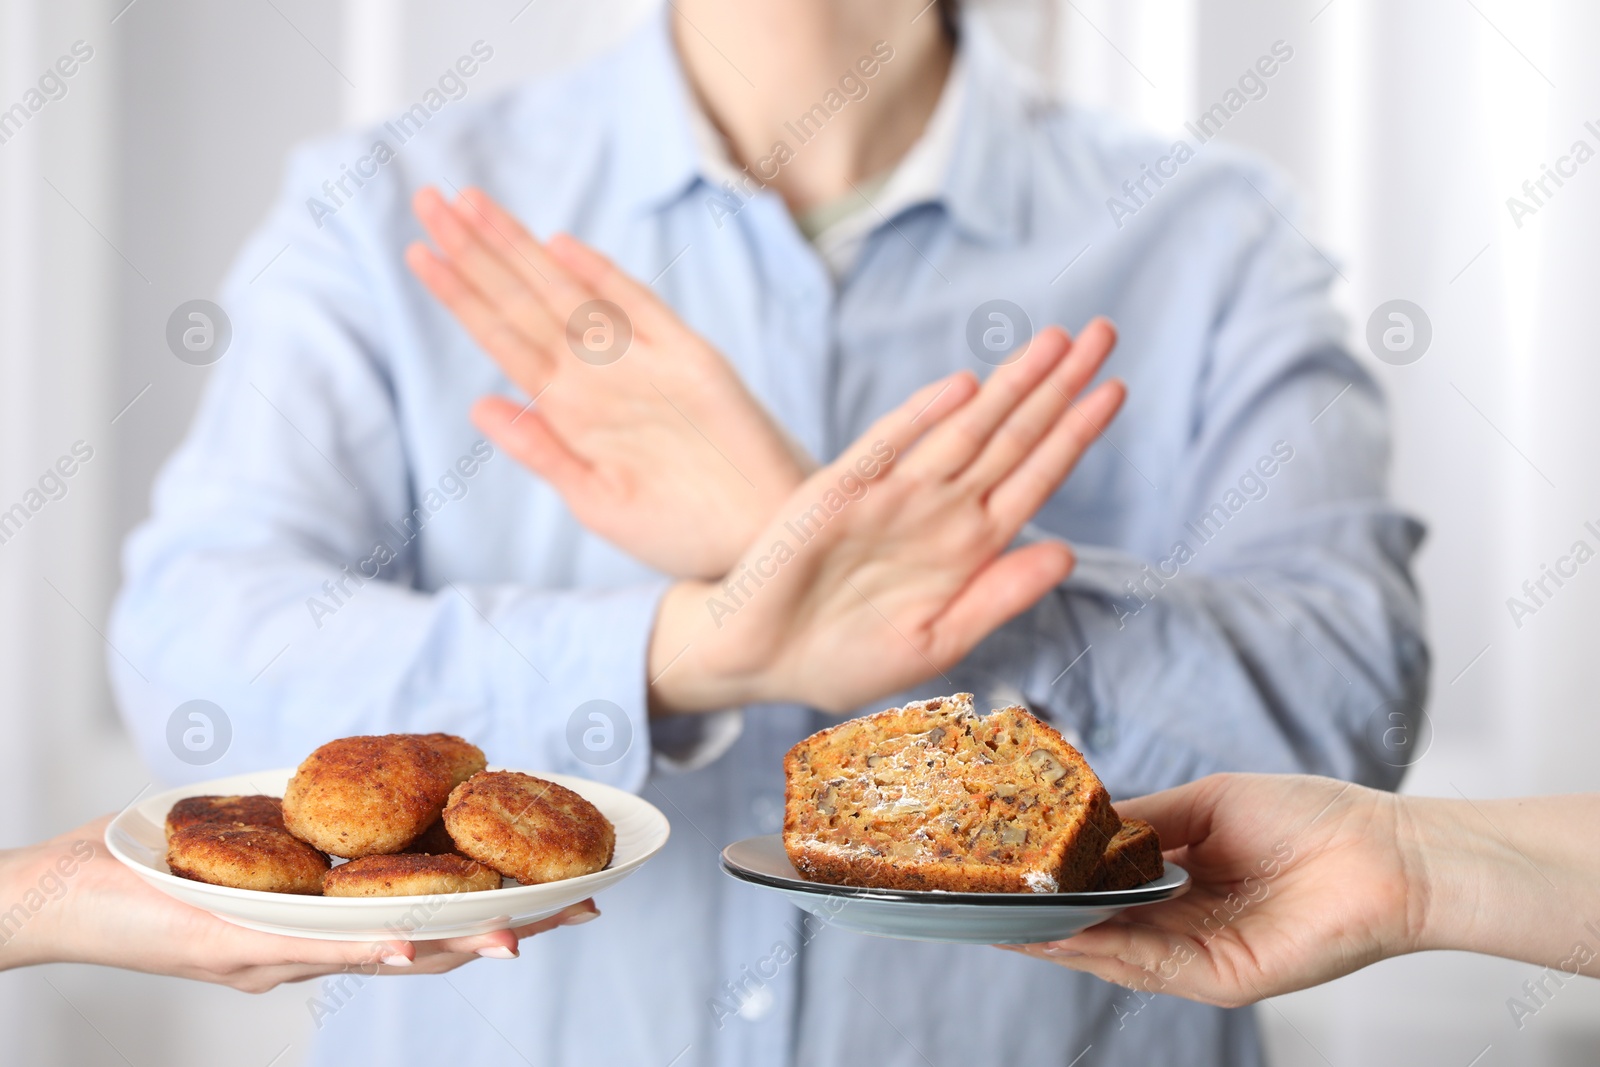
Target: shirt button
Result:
[[1103, 736]]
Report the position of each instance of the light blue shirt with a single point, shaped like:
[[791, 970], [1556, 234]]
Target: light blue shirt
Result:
[[1242, 599]]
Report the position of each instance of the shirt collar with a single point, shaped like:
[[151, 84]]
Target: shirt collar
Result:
[[665, 143], [656, 151], [986, 185], [711, 148], [917, 179]]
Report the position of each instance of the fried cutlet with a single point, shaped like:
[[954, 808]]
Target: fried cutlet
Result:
[[367, 796], [246, 857], [409, 875], [527, 828], [464, 758], [237, 811], [434, 841]]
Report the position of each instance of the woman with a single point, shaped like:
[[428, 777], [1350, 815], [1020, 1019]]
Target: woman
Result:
[[744, 478], [69, 900]]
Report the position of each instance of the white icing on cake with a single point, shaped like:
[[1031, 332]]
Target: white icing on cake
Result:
[[1041, 882]]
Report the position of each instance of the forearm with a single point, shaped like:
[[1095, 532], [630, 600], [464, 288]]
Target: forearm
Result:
[[1299, 695], [1514, 878], [14, 947], [506, 664], [34, 880]]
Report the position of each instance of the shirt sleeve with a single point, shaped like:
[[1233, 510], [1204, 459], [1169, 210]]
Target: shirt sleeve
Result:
[[1267, 621], [277, 579]]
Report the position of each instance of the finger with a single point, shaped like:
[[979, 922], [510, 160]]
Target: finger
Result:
[[302, 959], [481, 256], [528, 439], [560, 289], [650, 315], [1140, 943], [1002, 590], [1019, 497], [575, 915], [525, 362], [438, 275], [337, 955], [1106, 968], [495, 945], [954, 444], [1142, 954], [296, 959], [1033, 419], [264, 979], [386, 953], [890, 436]]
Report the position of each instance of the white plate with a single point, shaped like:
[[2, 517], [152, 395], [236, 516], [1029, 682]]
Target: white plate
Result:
[[932, 915], [137, 838]]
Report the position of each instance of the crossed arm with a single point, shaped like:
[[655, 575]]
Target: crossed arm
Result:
[[301, 451], [898, 585]]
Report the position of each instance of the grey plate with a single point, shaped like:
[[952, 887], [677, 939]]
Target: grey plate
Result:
[[930, 915]]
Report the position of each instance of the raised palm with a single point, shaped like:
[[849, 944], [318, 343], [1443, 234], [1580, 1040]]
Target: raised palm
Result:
[[644, 429], [887, 566]]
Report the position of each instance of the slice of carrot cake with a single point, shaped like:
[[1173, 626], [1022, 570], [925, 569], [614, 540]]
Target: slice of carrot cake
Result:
[[932, 796], [1132, 858]]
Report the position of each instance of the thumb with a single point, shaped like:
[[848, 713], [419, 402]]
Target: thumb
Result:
[[1003, 589]]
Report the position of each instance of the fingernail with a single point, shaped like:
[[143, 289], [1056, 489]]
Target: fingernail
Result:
[[1061, 953], [579, 919], [394, 959], [497, 952]]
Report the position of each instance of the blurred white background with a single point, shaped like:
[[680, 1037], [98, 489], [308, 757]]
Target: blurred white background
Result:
[[1405, 127]]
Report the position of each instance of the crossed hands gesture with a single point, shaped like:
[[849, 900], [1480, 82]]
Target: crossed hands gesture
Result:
[[829, 586]]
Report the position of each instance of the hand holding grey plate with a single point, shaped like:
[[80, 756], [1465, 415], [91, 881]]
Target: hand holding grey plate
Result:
[[932, 915]]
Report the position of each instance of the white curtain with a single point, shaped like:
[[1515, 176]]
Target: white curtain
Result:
[[1405, 126]]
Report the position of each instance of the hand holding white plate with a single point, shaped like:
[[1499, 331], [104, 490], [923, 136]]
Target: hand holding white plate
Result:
[[137, 838]]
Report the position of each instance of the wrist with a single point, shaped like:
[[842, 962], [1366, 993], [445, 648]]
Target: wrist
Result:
[[1445, 863], [685, 676], [27, 916]]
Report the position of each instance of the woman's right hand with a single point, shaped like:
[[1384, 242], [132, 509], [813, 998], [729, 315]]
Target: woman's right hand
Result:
[[887, 566]]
